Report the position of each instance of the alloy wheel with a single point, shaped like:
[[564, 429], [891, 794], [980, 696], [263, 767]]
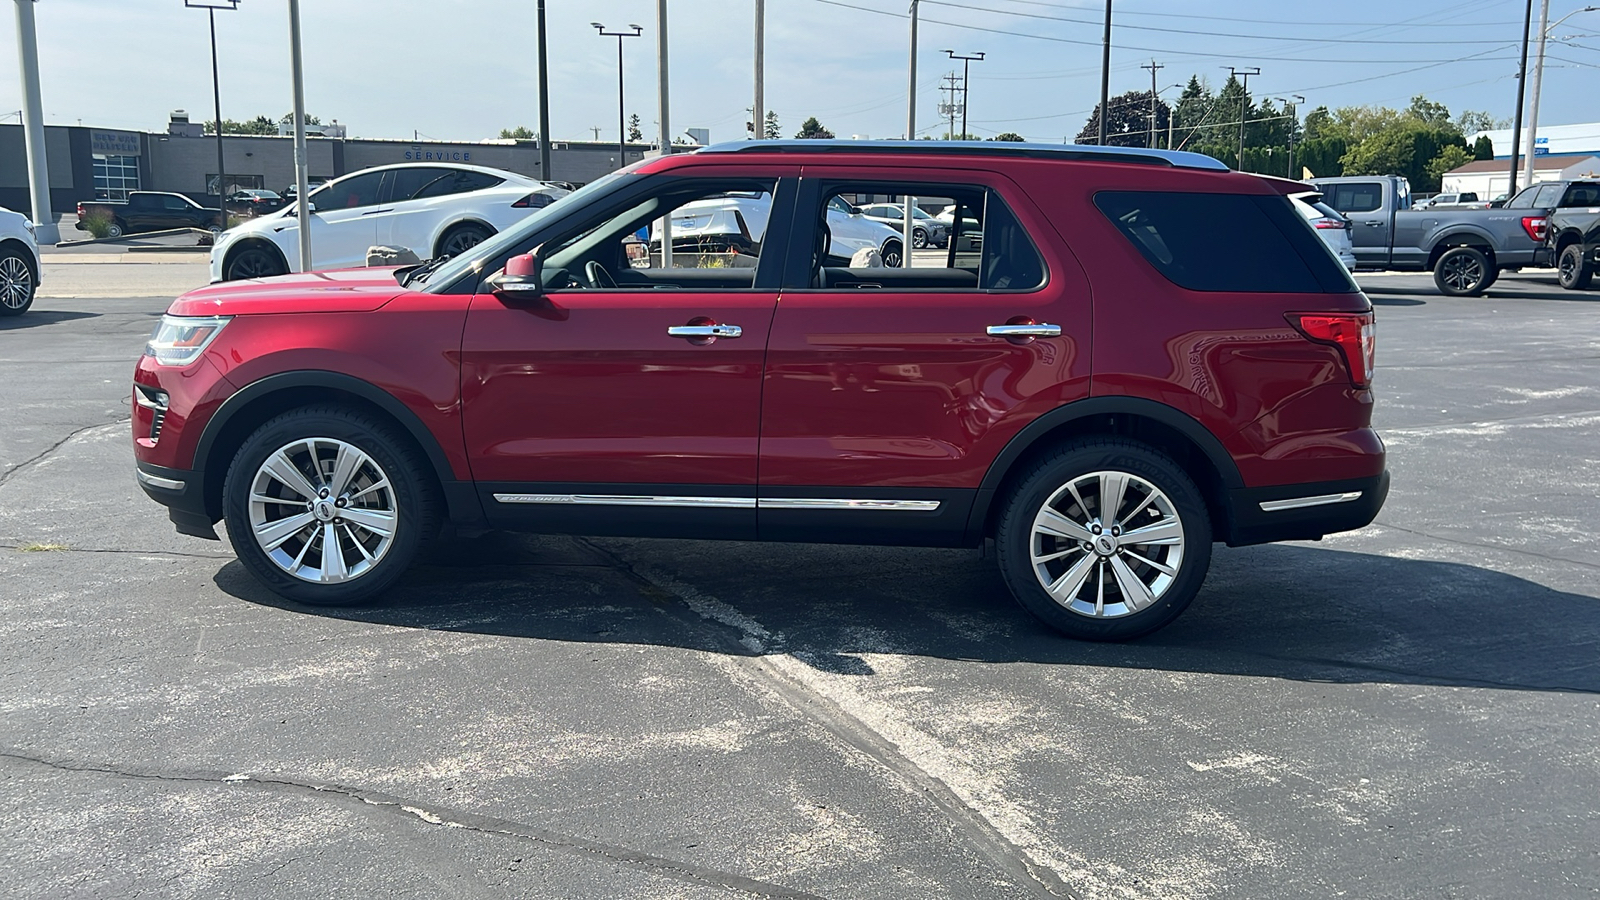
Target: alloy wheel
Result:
[[461, 240], [1107, 544], [16, 282], [1462, 272], [322, 510]]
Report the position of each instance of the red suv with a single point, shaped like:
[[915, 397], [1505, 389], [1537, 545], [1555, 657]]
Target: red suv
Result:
[[1120, 357]]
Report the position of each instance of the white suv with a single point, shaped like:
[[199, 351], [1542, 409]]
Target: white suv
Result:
[[431, 209], [19, 263], [738, 220]]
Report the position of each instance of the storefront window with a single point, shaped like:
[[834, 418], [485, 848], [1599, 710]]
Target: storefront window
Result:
[[115, 176]]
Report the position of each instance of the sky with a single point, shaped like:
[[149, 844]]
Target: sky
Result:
[[464, 69]]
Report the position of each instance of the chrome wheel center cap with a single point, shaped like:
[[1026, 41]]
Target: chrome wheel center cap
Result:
[[324, 510], [1105, 545]]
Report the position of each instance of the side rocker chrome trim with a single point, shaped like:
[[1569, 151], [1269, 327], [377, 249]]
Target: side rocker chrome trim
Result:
[[822, 503], [1303, 502], [720, 502], [630, 500]]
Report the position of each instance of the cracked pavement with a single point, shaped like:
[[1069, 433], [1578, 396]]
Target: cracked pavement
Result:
[[1406, 711]]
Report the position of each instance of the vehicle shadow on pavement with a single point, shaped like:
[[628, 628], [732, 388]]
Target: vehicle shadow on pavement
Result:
[[1277, 611], [1523, 291], [37, 318]]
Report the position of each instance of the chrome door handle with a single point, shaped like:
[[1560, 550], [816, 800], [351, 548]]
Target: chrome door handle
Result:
[[373, 212], [1011, 331], [705, 331], [1373, 224]]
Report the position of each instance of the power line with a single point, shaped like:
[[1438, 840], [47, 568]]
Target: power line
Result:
[[1170, 15]]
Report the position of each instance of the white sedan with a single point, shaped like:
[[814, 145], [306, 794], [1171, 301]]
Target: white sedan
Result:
[[739, 220], [19, 263], [1330, 225], [431, 209]]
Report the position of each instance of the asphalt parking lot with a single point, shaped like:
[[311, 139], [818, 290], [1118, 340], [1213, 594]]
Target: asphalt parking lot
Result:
[[1405, 711]]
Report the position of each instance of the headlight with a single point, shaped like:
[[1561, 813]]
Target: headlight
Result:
[[179, 340], [28, 224]]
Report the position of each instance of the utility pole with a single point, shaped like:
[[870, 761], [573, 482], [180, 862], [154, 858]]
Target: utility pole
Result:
[[1533, 101], [948, 108], [1522, 83], [1244, 101], [544, 101], [32, 115], [966, 74], [1151, 141], [758, 117], [906, 223], [1105, 76], [622, 115], [596, 130], [667, 247], [302, 185]]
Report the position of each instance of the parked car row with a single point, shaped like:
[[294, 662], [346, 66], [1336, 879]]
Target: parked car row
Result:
[[1573, 236], [146, 211]]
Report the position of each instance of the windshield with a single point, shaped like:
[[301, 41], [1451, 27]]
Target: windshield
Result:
[[473, 259]]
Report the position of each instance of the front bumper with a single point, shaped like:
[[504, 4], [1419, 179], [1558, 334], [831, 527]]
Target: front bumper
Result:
[[182, 492], [1304, 512]]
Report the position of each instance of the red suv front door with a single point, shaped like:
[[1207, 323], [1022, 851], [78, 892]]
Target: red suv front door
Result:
[[890, 391], [629, 393]]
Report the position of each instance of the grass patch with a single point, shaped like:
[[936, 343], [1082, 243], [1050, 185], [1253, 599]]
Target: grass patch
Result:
[[41, 548], [97, 223]]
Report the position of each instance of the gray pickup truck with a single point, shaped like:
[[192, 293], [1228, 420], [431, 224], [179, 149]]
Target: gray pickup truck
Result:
[[1466, 249]]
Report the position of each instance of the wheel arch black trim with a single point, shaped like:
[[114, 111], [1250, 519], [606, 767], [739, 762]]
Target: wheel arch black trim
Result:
[[1040, 429], [251, 242], [246, 397], [458, 224], [27, 254]]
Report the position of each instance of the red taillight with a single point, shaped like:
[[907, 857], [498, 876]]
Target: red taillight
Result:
[[535, 200], [1534, 226], [1354, 333], [80, 210], [1329, 223]]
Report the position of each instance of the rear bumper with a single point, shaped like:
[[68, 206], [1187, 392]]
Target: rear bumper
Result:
[[1301, 512], [182, 492]]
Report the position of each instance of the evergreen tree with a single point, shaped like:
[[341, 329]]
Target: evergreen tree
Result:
[[1483, 148], [634, 134], [811, 128], [773, 132]]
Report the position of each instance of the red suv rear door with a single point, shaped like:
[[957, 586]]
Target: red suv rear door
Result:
[[890, 391], [627, 398]]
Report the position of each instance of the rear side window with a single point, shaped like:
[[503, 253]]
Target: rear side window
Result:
[[1549, 196], [1238, 243], [1359, 197]]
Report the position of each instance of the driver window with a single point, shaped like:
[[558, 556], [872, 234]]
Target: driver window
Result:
[[717, 228]]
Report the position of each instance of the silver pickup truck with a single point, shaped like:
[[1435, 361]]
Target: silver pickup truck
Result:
[[1466, 249]]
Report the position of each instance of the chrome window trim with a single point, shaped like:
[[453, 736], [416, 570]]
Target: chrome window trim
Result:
[[1303, 502], [847, 503]]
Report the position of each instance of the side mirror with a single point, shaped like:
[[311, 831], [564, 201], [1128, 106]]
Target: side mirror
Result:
[[520, 278], [855, 210]]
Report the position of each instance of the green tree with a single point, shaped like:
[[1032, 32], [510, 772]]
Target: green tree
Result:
[[773, 131], [288, 119], [1128, 123], [1472, 121], [519, 133], [1321, 155], [1319, 123], [258, 125], [1451, 157], [634, 134], [811, 128], [1483, 148], [1008, 136], [1428, 112]]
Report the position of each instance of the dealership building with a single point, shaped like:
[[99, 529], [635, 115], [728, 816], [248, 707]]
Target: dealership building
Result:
[[88, 163]]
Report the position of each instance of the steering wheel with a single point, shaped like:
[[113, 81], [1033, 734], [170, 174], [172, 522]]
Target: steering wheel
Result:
[[598, 277]]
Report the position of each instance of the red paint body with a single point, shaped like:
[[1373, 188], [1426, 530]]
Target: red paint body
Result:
[[858, 389]]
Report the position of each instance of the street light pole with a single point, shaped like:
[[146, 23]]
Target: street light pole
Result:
[[906, 224], [211, 7], [966, 84], [1538, 80], [622, 114], [1154, 68], [758, 121], [1522, 84], [1244, 102], [544, 101], [302, 186], [44, 219]]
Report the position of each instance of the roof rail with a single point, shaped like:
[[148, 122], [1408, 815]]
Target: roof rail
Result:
[[1078, 152]]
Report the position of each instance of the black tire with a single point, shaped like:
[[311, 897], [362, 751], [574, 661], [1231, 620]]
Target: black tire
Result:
[[1494, 275], [461, 239], [114, 230], [411, 500], [1174, 498], [1572, 270], [253, 261], [893, 257], [919, 238], [1462, 272], [19, 282]]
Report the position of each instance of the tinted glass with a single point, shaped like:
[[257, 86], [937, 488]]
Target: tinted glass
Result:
[[348, 193], [1549, 196], [1226, 242], [177, 203], [1523, 200], [1582, 195], [1364, 196], [404, 183], [458, 182]]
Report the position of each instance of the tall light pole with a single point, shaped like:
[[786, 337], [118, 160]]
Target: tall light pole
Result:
[[1522, 84], [1294, 122], [544, 100], [301, 164], [211, 7], [906, 224], [665, 108], [44, 219], [1538, 80], [758, 122], [1105, 76], [622, 125], [1154, 68], [966, 84], [1244, 101]]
